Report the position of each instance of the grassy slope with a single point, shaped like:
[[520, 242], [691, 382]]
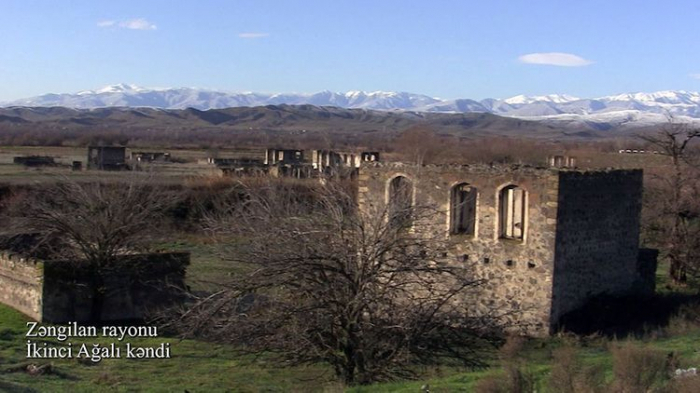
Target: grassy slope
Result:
[[198, 366], [537, 360], [194, 366]]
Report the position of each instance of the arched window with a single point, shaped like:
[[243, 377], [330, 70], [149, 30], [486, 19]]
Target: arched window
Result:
[[400, 202], [512, 201], [463, 209]]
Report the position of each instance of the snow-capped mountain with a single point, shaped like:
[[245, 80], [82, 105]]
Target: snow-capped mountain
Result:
[[621, 108], [553, 98], [119, 88], [181, 98]]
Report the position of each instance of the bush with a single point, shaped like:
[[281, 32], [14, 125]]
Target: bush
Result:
[[510, 350], [637, 369], [568, 374], [684, 385], [514, 380], [686, 320]]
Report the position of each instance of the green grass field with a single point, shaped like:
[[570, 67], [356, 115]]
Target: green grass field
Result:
[[194, 366], [205, 367]]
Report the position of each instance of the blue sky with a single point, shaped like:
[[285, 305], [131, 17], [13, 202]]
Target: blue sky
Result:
[[447, 49]]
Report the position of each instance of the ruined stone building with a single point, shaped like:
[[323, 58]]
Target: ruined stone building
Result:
[[316, 163], [34, 161], [295, 163], [561, 161], [545, 239], [149, 156], [106, 157], [60, 291], [241, 167]]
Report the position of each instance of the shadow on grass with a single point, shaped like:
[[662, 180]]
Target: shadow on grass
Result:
[[39, 370], [627, 316], [13, 387]]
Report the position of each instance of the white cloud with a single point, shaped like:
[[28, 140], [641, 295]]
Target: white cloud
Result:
[[253, 35], [695, 76], [131, 24], [138, 24], [555, 59]]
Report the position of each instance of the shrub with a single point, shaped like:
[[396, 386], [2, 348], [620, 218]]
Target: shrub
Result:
[[637, 369], [686, 320], [684, 385], [510, 350], [515, 379], [568, 374]]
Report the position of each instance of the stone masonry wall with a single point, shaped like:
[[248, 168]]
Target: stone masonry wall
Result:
[[21, 284], [140, 284], [597, 241], [59, 291], [518, 272]]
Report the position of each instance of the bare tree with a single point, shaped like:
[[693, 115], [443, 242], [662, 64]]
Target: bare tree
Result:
[[326, 282], [91, 223], [676, 196]]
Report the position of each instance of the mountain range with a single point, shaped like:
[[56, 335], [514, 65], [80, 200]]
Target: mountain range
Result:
[[629, 109]]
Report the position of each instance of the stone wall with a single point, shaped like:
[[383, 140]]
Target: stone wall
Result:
[[597, 240], [21, 283], [106, 157], [61, 291], [518, 272], [137, 285], [647, 263], [580, 234]]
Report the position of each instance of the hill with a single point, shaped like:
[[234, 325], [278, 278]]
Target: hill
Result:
[[284, 119]]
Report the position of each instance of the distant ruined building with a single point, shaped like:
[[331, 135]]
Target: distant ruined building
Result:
[[106, 158], [295, 163], [34, 161]]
